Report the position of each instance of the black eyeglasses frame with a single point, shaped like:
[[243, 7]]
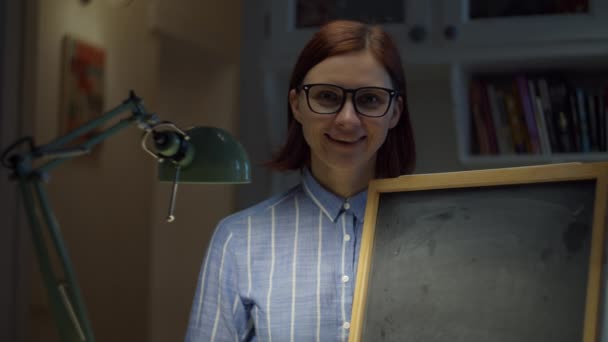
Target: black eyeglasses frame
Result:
[[392, 94]]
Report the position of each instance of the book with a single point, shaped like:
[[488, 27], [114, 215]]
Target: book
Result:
[[601, 121], [539, 116], [542, 127], [603, 107], [500, 120], [516, 123], [488, 120], [550, 117], [593, 122], [583, 118], [575, 127], [481, 143], [558, 96], [528, 112]]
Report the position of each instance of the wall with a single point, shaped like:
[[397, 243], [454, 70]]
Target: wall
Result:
[[262, 95], [431, 112], [13, 233], [103, 203], [196, 89], [137, 273], [213, 26], [199, 86]]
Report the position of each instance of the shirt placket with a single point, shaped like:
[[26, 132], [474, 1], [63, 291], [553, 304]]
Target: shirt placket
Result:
[[348, 279]]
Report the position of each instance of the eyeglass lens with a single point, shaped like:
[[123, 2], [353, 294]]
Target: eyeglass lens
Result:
[[328, 99]]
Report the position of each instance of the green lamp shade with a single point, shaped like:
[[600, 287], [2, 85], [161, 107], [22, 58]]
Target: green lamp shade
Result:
[[218, 158]]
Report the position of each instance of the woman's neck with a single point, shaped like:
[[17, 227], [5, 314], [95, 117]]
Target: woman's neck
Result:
[[343, 182]]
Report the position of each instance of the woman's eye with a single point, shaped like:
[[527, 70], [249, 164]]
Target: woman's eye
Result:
[[327, 96], [370, 98]]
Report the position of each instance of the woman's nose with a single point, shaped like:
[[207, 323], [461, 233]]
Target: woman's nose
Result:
[[348, 114]]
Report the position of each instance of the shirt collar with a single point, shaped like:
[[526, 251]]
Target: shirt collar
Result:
[[331, 204]]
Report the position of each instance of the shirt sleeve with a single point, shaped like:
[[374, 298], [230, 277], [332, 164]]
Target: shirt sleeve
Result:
[[218, 313]]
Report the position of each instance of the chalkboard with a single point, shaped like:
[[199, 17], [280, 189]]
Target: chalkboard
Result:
[[494, 255]]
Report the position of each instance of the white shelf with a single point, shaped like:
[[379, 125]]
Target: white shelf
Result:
[[493, 161]]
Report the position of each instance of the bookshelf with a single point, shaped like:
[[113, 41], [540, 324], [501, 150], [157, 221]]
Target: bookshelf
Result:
[[565, 119], [496, 43]]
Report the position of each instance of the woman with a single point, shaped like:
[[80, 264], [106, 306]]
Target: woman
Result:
[[285, 269]]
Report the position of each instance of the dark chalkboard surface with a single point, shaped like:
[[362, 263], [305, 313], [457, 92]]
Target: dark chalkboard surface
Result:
[[504, 262]]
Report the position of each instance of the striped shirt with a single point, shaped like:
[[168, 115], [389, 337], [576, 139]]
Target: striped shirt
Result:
[[282, 270]]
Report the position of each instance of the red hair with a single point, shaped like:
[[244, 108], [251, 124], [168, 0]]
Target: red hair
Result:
[[397, 155]]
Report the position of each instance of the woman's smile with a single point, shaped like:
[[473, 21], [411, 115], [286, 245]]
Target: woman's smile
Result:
[[345, 141]]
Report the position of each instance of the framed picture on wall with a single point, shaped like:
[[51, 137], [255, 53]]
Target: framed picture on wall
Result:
[[83, 85]]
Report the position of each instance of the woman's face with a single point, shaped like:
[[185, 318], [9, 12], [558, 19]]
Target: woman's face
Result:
[[345, 141]]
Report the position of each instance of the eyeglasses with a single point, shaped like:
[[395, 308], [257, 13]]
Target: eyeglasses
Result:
[[329, 99]]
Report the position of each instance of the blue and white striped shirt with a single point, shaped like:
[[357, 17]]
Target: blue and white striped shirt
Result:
[[282, 270]]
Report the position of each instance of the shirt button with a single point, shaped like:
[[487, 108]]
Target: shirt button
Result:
[[345, 279], [346, 206], [346, 325], [346, 237]]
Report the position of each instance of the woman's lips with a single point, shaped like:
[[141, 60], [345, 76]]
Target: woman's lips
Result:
[[345, 141]]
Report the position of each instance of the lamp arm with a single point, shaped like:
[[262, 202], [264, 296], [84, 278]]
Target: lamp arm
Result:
[[129, 104], [57, 151], [65, 299]]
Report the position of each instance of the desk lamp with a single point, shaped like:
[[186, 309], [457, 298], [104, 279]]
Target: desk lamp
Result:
[[196, 155]]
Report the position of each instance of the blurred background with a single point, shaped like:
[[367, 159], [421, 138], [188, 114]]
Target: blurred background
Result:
[[227, 64]]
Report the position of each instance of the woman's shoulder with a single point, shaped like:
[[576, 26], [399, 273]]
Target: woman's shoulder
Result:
[[261, 209]]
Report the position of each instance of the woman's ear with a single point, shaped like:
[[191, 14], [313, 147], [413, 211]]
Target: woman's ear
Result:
[[294, 104], [396, 112]]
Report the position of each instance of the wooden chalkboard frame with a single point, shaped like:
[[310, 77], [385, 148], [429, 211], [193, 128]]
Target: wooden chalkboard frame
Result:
[[489, 178]]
